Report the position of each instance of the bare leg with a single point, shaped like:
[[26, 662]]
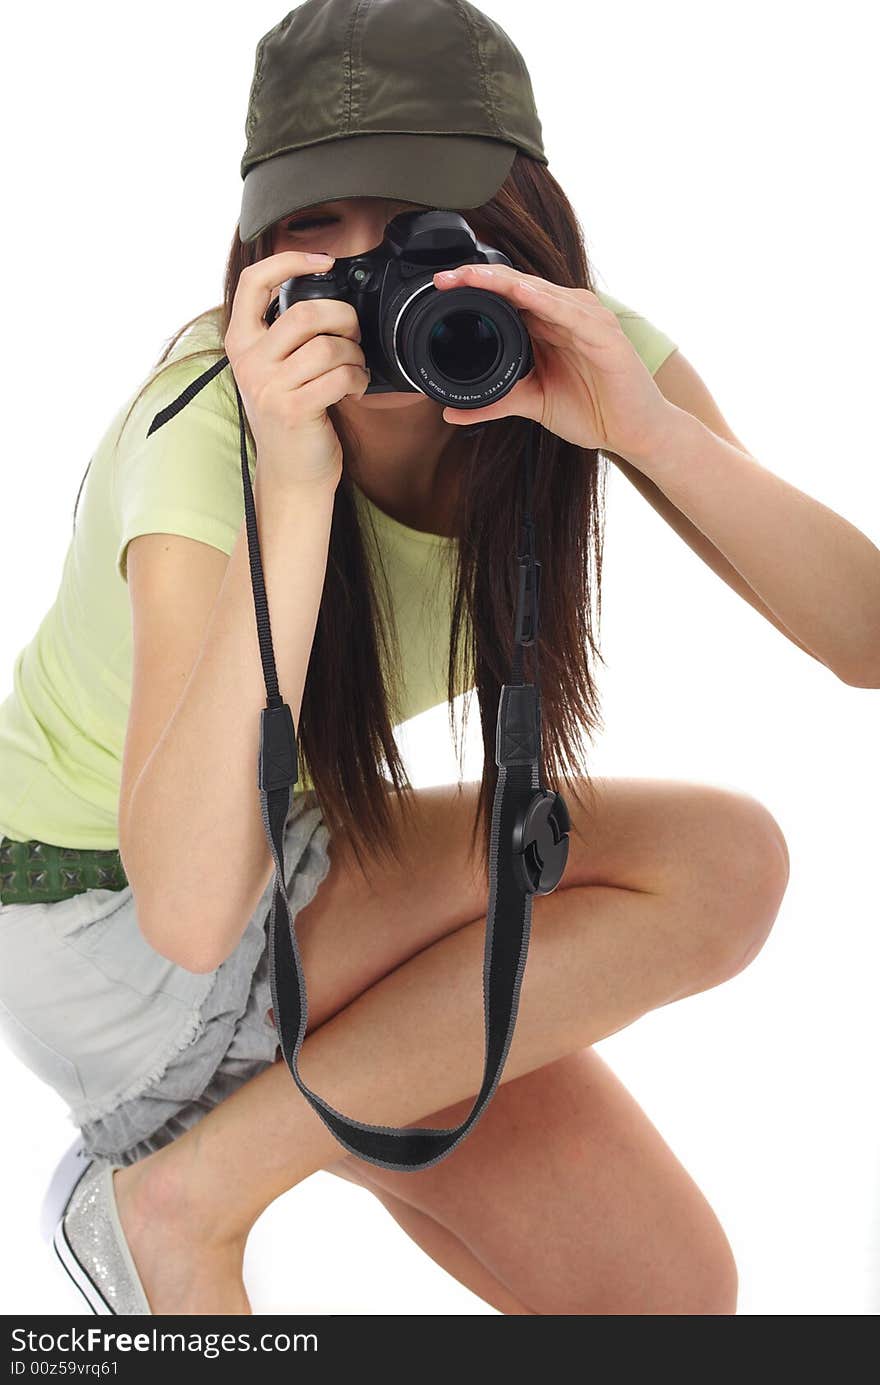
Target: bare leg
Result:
[[564, 1199], [448, 1251], [600, 956]]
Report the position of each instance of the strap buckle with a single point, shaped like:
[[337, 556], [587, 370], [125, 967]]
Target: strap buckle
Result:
[[528, 600], [278, 751]]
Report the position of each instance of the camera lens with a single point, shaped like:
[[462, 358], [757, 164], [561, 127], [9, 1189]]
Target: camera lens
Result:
[[461, 346], [464, 346]]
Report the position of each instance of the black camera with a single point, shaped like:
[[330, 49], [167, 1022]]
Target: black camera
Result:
[[465, 347]]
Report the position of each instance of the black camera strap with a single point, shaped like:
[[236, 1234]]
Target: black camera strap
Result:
[[528, 852]]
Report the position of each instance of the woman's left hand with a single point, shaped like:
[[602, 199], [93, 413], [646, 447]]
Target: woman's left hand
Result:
[[589, 385]]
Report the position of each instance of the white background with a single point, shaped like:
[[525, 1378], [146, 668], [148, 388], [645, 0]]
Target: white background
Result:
[[723, 163]]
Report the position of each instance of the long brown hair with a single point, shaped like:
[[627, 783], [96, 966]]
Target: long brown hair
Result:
[[345, 730]]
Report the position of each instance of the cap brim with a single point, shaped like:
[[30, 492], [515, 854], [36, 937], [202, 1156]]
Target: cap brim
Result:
[[434, 170]]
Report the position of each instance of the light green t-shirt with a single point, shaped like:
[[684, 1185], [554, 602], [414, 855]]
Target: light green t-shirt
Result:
[[62, 727]]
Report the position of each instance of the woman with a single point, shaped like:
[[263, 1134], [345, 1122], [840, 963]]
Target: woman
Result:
[[564, 1198]]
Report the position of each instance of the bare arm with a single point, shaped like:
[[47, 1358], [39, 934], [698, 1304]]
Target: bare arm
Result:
[[811, 573], [191, 835]]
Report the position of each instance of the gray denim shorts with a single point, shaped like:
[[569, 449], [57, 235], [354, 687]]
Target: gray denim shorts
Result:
[[138, 1047]]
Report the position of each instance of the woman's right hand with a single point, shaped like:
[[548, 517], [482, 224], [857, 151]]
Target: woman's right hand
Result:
[[288, 373]]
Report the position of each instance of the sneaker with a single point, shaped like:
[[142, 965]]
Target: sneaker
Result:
[[68, 1171], [90, 1243]]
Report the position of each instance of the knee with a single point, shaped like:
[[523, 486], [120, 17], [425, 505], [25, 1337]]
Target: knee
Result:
[[748, 879]]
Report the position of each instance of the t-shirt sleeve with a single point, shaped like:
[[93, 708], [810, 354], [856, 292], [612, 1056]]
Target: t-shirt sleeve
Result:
[[185, 478], [652, 345]]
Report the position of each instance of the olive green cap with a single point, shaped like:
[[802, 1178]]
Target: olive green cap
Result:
[[422, 101]]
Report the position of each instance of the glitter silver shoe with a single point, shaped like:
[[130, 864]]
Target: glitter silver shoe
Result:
[[91, 1245]]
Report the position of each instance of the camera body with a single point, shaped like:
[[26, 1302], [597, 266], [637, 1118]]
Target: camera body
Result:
[[465, 347]]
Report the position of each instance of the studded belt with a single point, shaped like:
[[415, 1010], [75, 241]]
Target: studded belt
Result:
[[39, 873]]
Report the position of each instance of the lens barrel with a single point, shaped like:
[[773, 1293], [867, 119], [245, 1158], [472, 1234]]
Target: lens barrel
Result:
[[464, 346]]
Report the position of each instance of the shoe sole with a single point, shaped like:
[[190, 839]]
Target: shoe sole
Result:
[[68, 1172], [75, 1272]]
